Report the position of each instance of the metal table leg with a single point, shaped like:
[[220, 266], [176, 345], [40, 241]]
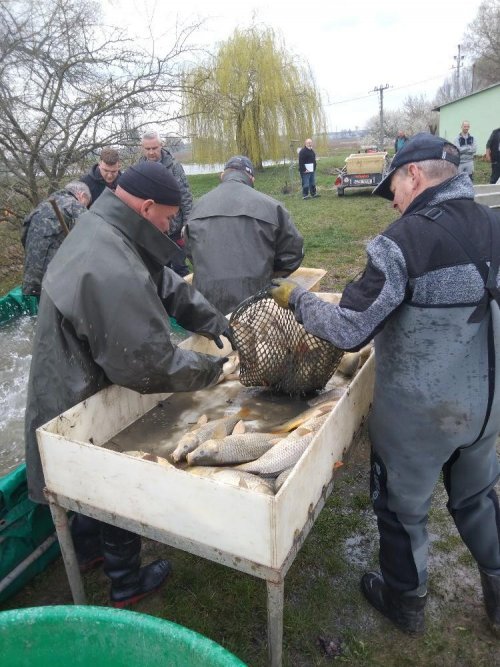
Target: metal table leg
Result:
[[275, 601], [60, 518]]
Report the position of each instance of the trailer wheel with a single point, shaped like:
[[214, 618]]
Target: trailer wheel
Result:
[[340, 192]]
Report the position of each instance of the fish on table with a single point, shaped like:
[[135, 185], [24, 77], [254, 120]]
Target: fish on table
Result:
[[351, 362], [235, 448], [281, 456], [231, 368], [310, 413], [146, 456], [281, 478], [207, 430], [234, 477]]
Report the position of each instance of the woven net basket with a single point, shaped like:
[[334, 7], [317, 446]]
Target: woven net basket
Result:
[[276, 351]]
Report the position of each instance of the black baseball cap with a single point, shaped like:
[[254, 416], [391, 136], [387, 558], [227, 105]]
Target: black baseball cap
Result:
[[240, 162], [151, 180], [423, 146]]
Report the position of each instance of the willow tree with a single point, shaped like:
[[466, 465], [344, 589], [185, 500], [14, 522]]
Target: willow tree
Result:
[[252, 98]]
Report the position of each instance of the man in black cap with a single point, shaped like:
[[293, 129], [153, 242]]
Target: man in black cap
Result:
[[429, 294], [239, 238], [103, 320]]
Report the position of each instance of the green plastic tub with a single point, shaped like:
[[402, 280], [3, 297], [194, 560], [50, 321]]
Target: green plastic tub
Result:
[[81, 636]]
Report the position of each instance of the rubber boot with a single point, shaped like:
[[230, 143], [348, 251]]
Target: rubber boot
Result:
[[405, 610], [122, 560], [86, 534], [491, 593]]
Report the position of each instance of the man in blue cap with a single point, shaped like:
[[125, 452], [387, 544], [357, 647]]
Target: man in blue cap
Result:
[[102, 320], [429, 295]]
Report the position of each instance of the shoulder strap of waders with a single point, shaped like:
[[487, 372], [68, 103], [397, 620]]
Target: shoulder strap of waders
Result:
[[488, 273]]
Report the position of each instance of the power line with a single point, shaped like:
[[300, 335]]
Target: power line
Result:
[[393, 88]]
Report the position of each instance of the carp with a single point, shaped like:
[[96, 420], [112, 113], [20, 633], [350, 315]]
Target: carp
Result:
[[281, 456], [206, 430], [310, 413], [232, 449], [145, 456], [281, 479], [234, 477]]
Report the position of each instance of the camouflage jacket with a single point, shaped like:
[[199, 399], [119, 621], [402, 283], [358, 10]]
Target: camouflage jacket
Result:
[[42, 235], [178, 173]]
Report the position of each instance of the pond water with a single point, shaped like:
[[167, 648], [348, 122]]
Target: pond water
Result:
[[193, 169], [15, 357], [16, 339]]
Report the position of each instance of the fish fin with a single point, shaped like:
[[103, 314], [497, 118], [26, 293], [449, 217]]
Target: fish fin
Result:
[[202, 420], [284, 428], [244, 412], [239, 428], [175, 457], [219, 432], [326, 407]]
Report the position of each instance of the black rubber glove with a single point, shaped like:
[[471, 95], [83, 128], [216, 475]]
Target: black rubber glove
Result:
[[227, 333], [220, 363]]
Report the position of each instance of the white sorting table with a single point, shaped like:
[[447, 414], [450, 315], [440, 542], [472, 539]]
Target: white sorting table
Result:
[[251, 532]]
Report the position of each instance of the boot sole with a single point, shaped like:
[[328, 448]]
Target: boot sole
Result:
[[416, 631], [130, 601]]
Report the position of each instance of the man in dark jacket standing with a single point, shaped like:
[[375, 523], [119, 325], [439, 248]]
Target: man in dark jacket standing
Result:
[[429, 294], [307, 169], [493, 154], [42, 232], [153, 150], [239, 238], [103, 320], [104, 174]]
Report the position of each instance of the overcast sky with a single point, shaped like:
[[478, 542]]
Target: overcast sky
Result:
[[351, 47]]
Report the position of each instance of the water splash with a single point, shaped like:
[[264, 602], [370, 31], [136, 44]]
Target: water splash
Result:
[[16, 339]]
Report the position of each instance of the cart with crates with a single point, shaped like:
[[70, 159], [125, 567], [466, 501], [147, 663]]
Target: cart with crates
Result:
[[362, 170]]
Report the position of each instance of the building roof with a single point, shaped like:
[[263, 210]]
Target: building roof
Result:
[[459, 99]]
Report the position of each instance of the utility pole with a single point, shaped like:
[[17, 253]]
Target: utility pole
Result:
[[458, 58], [380, 90]]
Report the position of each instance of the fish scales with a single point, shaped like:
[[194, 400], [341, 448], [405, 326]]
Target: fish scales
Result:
[[234, 477], [283, 455], [212, 429], [232, 449], [281, 478]]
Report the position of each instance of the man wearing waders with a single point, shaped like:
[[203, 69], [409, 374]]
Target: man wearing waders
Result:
[[103, 319], [429, 295]]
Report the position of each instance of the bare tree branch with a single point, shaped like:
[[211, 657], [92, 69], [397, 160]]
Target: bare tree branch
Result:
[[69, 86]]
